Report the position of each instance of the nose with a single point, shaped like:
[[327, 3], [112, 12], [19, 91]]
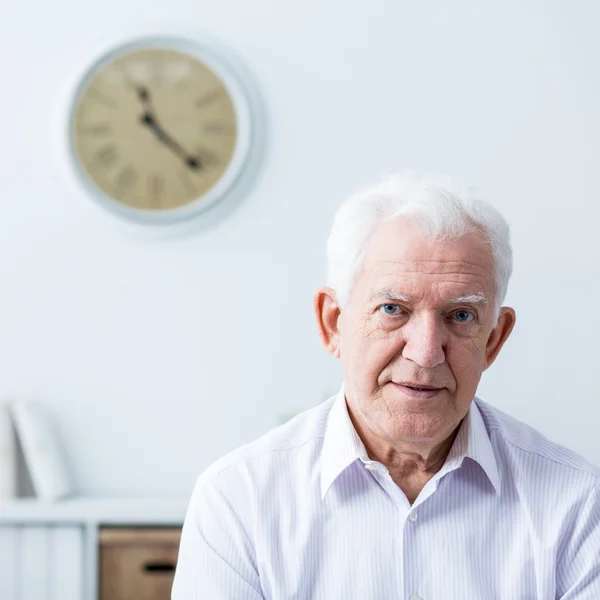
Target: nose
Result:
[[424, 340]]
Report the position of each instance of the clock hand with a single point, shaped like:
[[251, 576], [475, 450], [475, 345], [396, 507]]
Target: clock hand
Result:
[[141, 90], [143, 94], [191, 161], [149, 119]]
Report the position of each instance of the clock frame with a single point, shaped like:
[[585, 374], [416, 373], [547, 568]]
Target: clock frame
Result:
[[160, 129]]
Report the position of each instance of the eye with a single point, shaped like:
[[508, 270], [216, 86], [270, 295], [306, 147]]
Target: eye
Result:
[[389, 309], [463, 316]]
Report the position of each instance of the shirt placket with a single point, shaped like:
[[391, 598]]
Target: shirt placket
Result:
[[411, 575]]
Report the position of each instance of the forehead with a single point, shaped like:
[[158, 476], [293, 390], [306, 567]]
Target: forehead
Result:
[[399, 254]]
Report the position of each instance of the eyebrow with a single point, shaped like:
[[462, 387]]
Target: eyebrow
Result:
[[475, 298], [470, 299]]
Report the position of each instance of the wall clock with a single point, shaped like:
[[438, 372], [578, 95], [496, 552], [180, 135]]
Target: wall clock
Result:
[[160, 129]]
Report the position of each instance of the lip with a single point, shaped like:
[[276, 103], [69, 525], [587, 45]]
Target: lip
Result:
[[418, 385], [418, 394]]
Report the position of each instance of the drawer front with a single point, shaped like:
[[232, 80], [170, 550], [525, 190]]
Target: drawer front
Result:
[[137, 562]]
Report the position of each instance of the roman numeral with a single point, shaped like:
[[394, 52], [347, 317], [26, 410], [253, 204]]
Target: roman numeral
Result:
[[208, 98], [217, 128], [156, 190], [207, 158], [103, 99], [96, 128], [106, 156], [157, 68], [124, 180]]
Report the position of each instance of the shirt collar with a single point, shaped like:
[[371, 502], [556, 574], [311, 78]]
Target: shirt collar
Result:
[[342, 445]]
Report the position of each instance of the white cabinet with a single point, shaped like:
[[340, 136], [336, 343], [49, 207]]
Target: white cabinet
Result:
[[41, 562], [49, 551]]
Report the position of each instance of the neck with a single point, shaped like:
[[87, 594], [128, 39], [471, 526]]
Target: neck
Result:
[[403, 459]]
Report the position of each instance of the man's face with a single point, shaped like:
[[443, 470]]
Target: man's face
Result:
[[427, 339]]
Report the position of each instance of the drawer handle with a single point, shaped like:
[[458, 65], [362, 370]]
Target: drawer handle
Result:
[[159, 568]]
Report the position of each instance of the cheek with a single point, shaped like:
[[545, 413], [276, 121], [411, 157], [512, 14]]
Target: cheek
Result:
[[466, 362], [367, 355]]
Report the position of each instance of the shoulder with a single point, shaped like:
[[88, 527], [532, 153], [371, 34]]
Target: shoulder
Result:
[[289, 439], [526, 445]]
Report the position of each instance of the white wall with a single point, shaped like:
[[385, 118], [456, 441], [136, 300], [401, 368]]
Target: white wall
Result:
[[157, 355]]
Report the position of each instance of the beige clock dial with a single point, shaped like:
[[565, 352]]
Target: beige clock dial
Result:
[[154, 128]]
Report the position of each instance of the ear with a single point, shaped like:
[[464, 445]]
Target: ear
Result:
[[506, 321], [327, 312]]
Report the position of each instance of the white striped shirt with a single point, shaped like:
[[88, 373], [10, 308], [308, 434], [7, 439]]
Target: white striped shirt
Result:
[[303, 513]]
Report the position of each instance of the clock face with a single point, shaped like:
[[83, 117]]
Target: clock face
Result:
[[154, 128]]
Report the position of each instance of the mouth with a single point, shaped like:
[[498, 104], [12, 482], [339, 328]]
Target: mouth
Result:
[[418, 392]]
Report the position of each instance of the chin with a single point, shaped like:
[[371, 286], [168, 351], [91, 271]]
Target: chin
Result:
[[415, 425], [416, 434]]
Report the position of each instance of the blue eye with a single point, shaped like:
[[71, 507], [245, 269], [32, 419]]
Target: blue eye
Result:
[[464, 312], [389, 309]]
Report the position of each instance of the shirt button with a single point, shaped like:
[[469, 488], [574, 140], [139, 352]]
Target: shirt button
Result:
[[413, 517]]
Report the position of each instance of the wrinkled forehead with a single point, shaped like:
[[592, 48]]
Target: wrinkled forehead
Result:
[[400, 249]]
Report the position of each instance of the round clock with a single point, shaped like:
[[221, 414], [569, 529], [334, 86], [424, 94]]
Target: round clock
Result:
[[160, 129]]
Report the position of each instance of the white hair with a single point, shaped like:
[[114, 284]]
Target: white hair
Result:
[[442, 209]]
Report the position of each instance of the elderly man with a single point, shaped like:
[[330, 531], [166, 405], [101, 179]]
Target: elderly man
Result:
[[405, 485]]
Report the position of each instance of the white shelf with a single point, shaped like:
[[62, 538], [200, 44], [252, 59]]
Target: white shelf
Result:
[[31, 529], [101, 511]]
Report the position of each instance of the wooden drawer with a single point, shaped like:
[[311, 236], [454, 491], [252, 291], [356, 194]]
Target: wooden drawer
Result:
[[137, 563]]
